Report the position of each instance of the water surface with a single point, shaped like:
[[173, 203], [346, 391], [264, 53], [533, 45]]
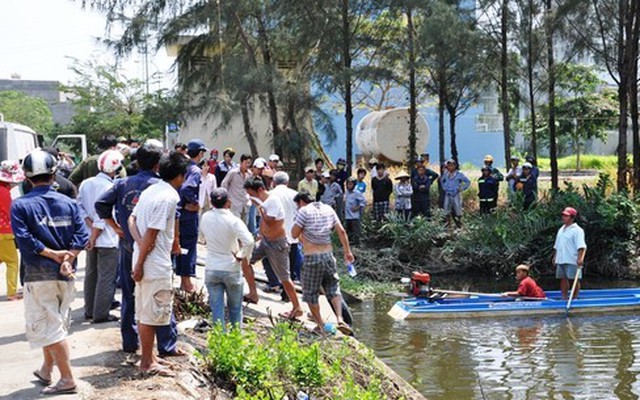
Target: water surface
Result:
[[581, 357]]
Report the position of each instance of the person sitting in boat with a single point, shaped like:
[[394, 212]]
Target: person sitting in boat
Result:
[[527, 286]]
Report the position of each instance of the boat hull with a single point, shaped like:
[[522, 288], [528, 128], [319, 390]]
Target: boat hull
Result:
[[590, 301]]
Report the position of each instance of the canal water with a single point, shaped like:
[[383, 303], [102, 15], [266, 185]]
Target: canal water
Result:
[[581, 357]]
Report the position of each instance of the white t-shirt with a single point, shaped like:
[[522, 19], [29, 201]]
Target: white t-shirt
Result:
[[568, 241], [286, 195], [206, 187], [156, 209], [273, 207], [226, 235]]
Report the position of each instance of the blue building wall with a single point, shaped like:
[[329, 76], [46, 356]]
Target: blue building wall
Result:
[[472, 145]]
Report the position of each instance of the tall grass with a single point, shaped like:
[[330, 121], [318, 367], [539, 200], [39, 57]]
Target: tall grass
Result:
[[587, 161]]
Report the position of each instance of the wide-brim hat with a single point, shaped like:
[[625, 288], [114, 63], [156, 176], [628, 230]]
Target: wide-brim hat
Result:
[[11, 172], [403, 175]]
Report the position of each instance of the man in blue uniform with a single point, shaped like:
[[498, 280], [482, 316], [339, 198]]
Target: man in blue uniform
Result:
[[50, 233], [123, 196], [190, 215]]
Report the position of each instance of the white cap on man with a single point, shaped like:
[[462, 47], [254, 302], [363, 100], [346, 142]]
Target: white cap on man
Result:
[[274, 157]]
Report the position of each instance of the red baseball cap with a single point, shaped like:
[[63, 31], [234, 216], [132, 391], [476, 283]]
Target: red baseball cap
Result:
[[570, 211]]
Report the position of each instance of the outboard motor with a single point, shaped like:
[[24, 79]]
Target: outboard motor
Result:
[[420, 284]]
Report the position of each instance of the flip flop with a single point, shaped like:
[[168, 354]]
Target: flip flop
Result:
[[176, 353], [291, 315], [55, 390], [159, 371], [41, 378], [249, 300], [345, 329]]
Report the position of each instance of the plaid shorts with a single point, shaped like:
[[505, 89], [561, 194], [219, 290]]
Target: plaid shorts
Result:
[[380, 209], [319, 270]]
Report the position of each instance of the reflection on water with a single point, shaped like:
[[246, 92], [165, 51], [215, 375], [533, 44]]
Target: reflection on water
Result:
[[584, 357]]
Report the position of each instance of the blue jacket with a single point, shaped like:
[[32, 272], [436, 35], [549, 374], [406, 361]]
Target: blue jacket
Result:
[[189, 192], [44, 218], [124, 196], [417, 182], [452, 185]]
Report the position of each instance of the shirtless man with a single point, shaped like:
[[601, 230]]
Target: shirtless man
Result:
[[273, 244], [314, 224]]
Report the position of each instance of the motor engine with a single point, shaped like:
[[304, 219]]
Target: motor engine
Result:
[[420, 284]]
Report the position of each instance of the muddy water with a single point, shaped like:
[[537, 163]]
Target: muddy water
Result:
[[582, 357]]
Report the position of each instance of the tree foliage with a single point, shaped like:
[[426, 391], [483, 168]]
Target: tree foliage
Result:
[[108, 103], [26, 110]]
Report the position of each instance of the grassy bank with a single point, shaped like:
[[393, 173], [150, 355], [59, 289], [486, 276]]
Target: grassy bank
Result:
[[587, 161], [282, 361]]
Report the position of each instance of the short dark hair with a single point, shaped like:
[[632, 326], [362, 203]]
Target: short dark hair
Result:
[[173, 165], [303, 196], [245, 157], [148, 157], [319, 160], [107, 142], [193, 153], [219, 197], [41, 178], [180, 146], [380, 166], [361, 171], [254, 183]]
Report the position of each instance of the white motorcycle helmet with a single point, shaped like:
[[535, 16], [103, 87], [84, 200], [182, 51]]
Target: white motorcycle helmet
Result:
[[110, 161]]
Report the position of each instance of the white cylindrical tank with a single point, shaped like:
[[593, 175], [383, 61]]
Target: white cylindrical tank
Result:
[[386, 133]]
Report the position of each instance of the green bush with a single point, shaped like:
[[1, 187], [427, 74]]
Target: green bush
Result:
[[496, 243], [273, 364]]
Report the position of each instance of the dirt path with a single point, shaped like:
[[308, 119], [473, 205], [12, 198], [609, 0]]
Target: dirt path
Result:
[[101, 370]]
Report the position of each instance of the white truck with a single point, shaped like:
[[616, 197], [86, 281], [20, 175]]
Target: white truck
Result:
[[16, 141]]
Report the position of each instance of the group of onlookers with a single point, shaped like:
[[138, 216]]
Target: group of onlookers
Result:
[[140, 210]]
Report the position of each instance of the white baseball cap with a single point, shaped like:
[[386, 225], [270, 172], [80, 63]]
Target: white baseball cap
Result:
[[274, 157], [259, 163]]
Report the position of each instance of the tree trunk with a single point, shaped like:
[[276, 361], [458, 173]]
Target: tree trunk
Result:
[[246, 124], [452, 134], [633, 94], [413, 112], [553, 147], [530, 77], [441, 101], [441, 156], [346, 63], [504, 90], [623, 91], [278, 144]]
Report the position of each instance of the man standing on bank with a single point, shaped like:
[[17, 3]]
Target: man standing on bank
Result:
[[190, 216], [274, 243], [314, 224], [50, 233], [152, 226], [568, 252]]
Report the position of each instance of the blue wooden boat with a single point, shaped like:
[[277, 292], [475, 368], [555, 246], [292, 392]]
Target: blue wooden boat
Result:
[[492, 305]]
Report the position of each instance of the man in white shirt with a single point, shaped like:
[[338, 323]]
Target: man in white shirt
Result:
[[102, 250], [568, 252], [229, 245], [152, 225], [274, 244]]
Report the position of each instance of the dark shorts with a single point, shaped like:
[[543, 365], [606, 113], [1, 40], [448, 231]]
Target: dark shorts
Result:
[[277, 251], [319, 271]]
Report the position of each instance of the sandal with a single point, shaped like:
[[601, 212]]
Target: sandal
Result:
[[56, 390], [41, 378], [15, 297], [345, 329], [249, 300], [176, 353], [158, 370], [292, 315]]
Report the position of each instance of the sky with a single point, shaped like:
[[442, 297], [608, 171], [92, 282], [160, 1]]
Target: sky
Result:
[[38, 36]]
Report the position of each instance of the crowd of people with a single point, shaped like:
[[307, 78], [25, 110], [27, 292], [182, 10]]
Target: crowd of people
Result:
[[140, 210]]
